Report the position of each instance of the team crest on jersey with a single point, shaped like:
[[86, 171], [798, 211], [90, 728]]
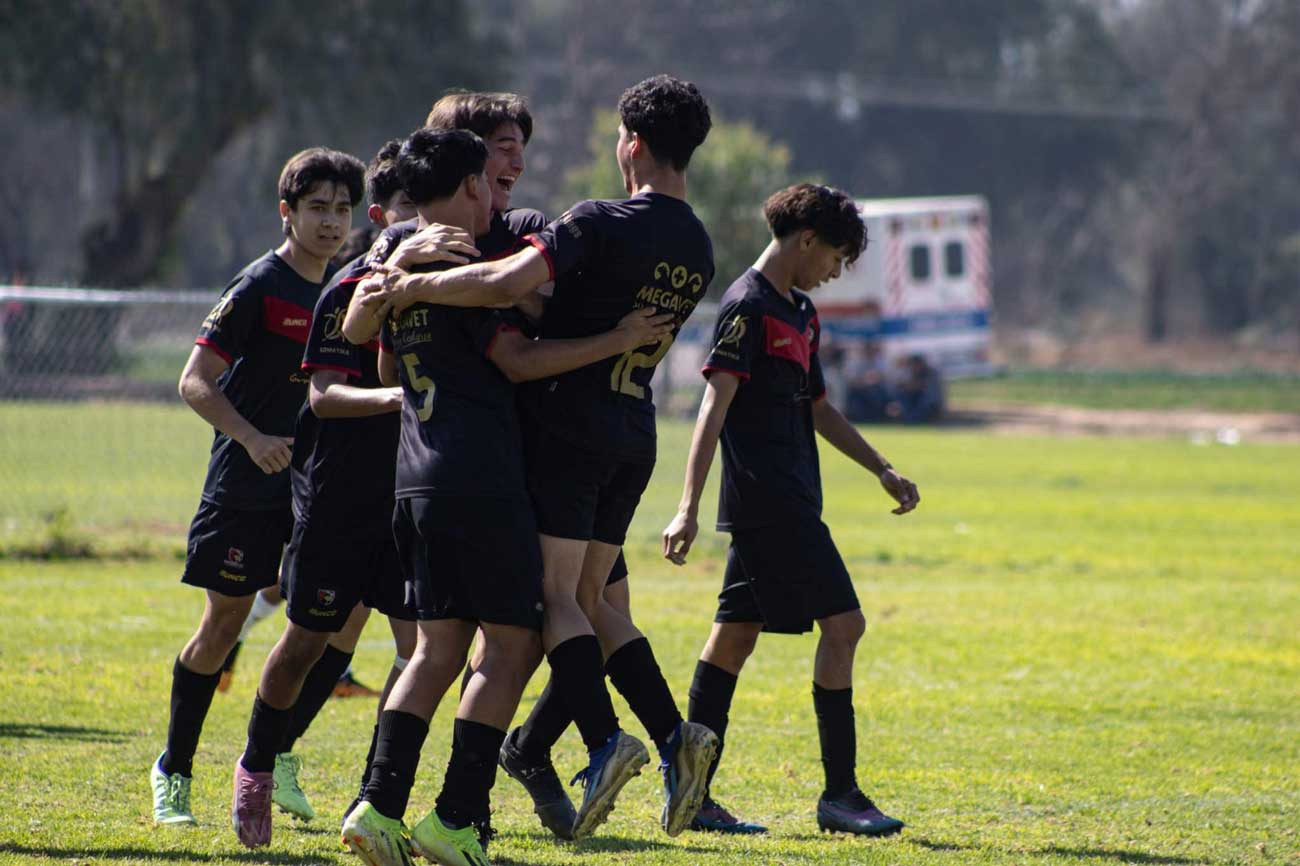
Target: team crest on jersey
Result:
[[219, 312], [734, 332], [325, 597], [234, 557], [334, 323]]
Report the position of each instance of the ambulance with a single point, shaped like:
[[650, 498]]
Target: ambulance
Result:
[[923, 285]]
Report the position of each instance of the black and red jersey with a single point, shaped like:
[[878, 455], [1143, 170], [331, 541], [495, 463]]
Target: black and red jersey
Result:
[[460, 429], [770, 470], [259, 327], [608, 258]]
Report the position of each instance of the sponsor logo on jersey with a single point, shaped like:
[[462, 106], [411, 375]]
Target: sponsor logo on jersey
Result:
[[237, 578], [734, 332]]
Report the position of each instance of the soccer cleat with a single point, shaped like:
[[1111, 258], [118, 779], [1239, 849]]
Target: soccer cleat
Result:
[[855, 813], [685, 768], [438, 843], [171, 796], [288, 794], [251, 812], [612, 766], [377, 840], [714, 817], [550, 801], [349, 686]]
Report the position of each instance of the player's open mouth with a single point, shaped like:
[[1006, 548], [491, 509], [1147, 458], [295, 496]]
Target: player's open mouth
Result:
[[507, 181]]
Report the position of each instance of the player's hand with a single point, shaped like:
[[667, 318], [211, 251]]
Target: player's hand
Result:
[[435, 243], [903, 491], [679, 536], [270, 453], [643, 325]]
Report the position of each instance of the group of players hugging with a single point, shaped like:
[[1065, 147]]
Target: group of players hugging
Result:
[[477, 432]]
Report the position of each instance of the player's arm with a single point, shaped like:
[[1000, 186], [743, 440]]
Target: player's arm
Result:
[[198, 388], [331, 396], [502, 282], [523, 360], [719, 391], [836, 429]]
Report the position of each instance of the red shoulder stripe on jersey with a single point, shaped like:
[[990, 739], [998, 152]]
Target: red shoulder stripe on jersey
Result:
[[501, 329], [372, 346], [783, 341], [204, 341], [714, 368], [546, 254], [286, 319], [312, 368]]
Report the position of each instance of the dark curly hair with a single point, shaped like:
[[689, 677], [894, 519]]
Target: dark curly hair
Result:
[[381, 175], [306, 168], [831, 214], [669, 115], [481, 113], [433, 163]]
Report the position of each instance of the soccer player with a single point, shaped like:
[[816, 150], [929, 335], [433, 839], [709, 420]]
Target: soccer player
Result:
[[765, 399], [340, 561], [464, 528], [388, 205], [243, 377], [591, 433]]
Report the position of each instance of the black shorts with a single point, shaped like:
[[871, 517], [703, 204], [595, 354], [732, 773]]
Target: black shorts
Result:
[[786, 577], [328, 568], [235, 552], [581, 494], [618, 571], [470, 558]]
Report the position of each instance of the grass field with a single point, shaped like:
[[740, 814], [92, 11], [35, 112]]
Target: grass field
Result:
[[1149, 389], [1081, 651]]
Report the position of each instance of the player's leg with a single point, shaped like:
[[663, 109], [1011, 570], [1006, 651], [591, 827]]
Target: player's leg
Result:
[[345, 643], [230, 554], [374, 829], [264, 604], [458, 827], [834, 603], [526, 753]]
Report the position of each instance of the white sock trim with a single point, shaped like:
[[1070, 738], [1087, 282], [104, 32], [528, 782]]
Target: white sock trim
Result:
[[400, 663]]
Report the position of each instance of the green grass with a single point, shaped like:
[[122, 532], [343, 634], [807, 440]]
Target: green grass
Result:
[[1241, 392], [1080, 652]]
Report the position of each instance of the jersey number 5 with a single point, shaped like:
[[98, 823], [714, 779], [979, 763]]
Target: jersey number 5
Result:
[[620, 379], [422, 384]]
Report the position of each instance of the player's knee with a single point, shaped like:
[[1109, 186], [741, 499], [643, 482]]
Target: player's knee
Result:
[[731, 644], [845, 629]]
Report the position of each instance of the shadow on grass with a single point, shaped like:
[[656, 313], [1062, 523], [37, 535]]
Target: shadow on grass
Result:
[[177, 856], [1081, 854], [602, 844], [23, 731]]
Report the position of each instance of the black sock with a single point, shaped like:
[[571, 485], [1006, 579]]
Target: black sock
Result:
[[544, 725], [635, 673], [711, 692], [229, 663], [191, 697], [266, 729], [316, 690], [839, 741], [578, 670], [397, 755], [370, 761], [471, 772]]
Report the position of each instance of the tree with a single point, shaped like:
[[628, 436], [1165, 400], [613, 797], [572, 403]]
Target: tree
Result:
[[168, 86], [730, 176]]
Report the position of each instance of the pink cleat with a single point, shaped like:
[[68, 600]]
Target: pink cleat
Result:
[[251, 813]]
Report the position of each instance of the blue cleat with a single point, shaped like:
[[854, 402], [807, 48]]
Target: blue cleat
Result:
[[685, 767], [612, 766]]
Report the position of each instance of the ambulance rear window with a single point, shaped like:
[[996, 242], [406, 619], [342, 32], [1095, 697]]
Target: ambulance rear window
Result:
[[954, 258], [920, 254]]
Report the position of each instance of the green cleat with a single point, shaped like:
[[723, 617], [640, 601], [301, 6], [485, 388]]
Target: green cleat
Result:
[[438, 843], [171, 796], [288, 795], [377, 840]]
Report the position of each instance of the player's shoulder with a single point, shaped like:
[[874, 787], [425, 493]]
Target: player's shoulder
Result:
[[524, 221], [746, 291], [260, 272], [388, 241]]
